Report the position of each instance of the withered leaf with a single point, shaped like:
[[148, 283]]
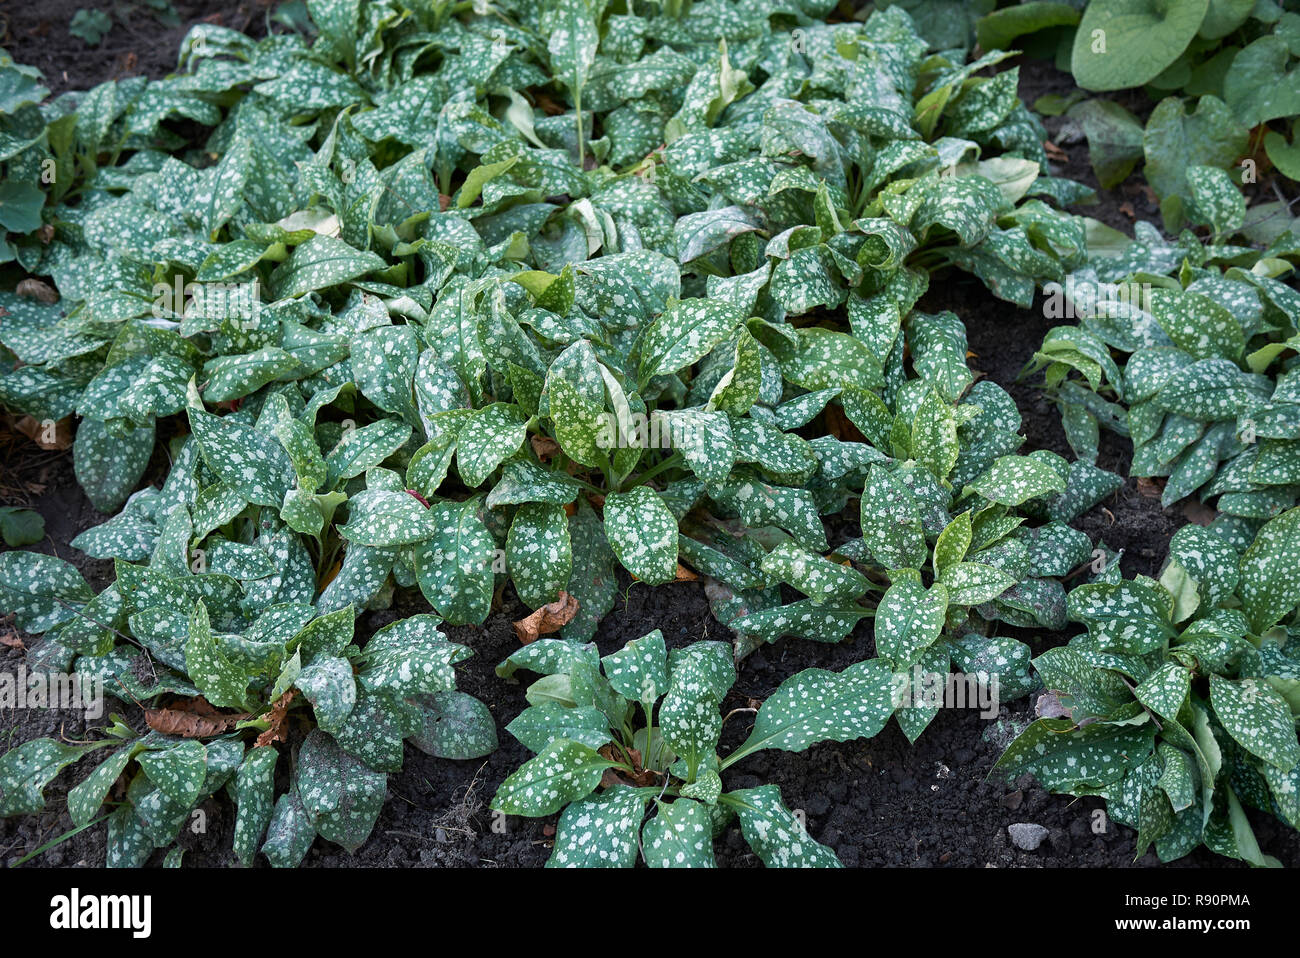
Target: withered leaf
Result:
[[549, 618]]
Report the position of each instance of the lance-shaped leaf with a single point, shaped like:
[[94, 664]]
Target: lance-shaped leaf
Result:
[[891, 521], [493, 435], [254, 466], [600, 832], [562, 772], [255, 800], [330, 687], [539, 552], [1258, 717], [26, 769], [689, 716], [1013, 480], [684, 334], [360, 449], [1269, 585], [222, 683], [454, 567], [341, 796], [383, 517], [1066, 758], [818, 706], [85, 800], [539, 725], [823, 581], [773, 832], [908, 619], [680, 835], [639, 670], [642, 531]]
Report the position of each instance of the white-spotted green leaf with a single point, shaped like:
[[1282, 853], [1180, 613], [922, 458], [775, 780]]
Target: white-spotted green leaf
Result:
[[908, 619], [456, 726], [454, 565], [1259, 719], [600, 832], [341, 796], [1269, 585], [255, 800], [539, 725], [561, 773], [1013, 480], [680, 835], [539, 552], [327, 683], [642, 532], [818, 706], [778, 838]]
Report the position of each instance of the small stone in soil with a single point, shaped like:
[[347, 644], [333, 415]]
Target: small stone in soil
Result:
[[1027, 836]]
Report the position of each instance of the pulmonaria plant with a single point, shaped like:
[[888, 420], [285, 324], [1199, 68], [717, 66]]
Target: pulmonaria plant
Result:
[[626, 750], [1178, 704], [403, 325], [1190, 352], [234, 660]]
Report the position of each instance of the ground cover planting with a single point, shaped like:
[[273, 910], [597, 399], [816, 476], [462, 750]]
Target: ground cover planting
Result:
[[396, 348]]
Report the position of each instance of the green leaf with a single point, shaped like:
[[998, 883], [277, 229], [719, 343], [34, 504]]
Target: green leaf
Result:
[[493, 435], [108, 463], [21, 527], [222, 683], [540, 725], [381, 517], [85, 801], [642, 531], [778, 838], [684, 334], [817, 706], [680, 835], [1259, 719], [1014, 480], [341, 796], [255, 797], [289, 834], [456, 726], [1269, 587], [561, 773], [639, 670], [539, 553], [823, 581], [328, 684], [26, 769], [178, 771], [600, 832], [1126, 43], [908, 620], [319, 263], [454, 566]]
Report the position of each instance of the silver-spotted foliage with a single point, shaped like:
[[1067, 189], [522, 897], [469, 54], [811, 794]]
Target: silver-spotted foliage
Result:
[[429, 300]]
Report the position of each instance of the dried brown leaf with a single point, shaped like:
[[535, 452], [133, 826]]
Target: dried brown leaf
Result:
[[192, 718], [549, 618], [277, 731], [35, 289]]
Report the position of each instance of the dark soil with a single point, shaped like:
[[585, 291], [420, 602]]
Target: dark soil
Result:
[[140, 43], [877, 802]]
